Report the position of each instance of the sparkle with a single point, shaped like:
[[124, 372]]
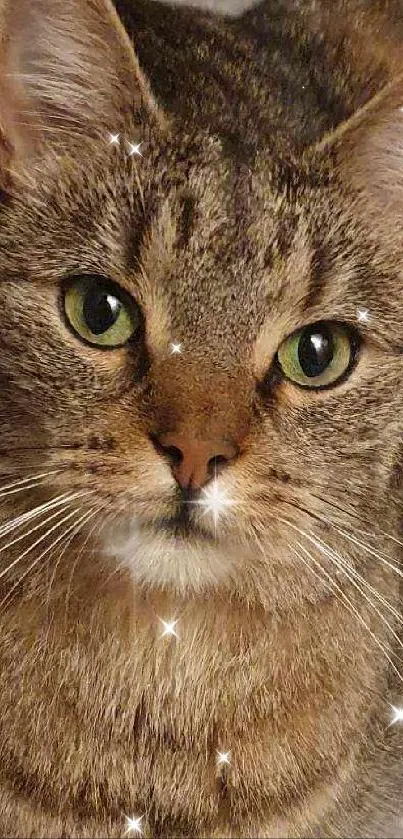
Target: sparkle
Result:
[[223, 757], [363, 315], [175, 348], [135, 149], [214, 501], [398, 715], [114, 139], [169, 628], [134, 825]]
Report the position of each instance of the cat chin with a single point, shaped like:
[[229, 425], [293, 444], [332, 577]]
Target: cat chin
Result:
[[157, 558]]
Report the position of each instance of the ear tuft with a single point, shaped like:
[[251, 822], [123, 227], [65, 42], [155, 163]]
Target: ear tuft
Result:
[[68, 69], [367, 149]]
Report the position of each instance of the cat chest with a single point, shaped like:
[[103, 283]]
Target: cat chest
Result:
[[192, 739], [177, 758]]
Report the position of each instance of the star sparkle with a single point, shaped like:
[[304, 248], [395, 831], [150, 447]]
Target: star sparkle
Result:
[[398, 715], [114, 139], [223, 757], [169, 628], [176, 348], [135, 149], [133, 825], [362, 315], [214, 500]]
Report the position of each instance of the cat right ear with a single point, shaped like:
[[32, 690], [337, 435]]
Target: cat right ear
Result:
[[67, 69]]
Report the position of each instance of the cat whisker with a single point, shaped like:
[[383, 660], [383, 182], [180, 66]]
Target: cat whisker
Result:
[[369, 550], [22, 519], [27, 480], [52, 129], [33, 485], [347, 513], [353, 573], [344, 564], [342, 567], [343, 598], [17, 75], [343, 532], [328, 580], [63, 551], [47, 115], [41, 538], [64, 502], [97, 513], [49, 548], [388, 560]]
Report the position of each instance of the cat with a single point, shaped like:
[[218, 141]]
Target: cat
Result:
[[201, 419]]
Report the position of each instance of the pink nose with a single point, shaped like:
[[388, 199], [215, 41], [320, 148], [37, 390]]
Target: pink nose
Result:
[[194, 462]]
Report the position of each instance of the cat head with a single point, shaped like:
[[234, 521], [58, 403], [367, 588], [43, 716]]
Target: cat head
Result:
[[200, 355]]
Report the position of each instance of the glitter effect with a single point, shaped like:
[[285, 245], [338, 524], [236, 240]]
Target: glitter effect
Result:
[[398, 715], [135, 149], [169, 628], [214, 500], [114, 139], [223, 757], [362, 315], [176, 348], [133, 826]]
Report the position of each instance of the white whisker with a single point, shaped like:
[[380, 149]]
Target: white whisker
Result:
[[40, 127], [351, 572], [41, 538], [20, 483], [79, 555], [356, 572], [359, 617], [38, 559], [31, 514], [63, 551], [369, 550], [351, 516]]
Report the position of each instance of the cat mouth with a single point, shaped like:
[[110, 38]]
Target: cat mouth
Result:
[[182, 527]]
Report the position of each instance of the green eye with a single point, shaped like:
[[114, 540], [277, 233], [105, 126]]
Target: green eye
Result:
[[100, 311], [318, 355]]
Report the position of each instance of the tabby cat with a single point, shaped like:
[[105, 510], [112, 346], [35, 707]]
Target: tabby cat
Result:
[[201, 267]]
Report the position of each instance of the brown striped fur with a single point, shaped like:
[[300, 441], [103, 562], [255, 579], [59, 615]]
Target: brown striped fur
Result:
[[269, 195]]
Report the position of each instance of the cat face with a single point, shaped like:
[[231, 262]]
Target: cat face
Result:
[[206, 350]]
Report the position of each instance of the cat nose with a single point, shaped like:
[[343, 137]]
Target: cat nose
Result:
[[194, 462]]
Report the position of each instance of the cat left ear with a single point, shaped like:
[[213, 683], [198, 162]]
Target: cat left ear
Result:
[[368, 148], [67, 67]]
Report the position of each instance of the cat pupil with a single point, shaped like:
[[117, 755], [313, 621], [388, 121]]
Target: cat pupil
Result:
[[100, 310], [315, 351]]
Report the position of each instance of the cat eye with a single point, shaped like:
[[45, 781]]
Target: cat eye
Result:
[[100, 312], [317, 355]]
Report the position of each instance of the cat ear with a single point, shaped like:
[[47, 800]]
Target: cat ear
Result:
[[368, 148], [67, 68]]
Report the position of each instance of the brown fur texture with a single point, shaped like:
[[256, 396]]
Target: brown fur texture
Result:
[[269, 196]]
